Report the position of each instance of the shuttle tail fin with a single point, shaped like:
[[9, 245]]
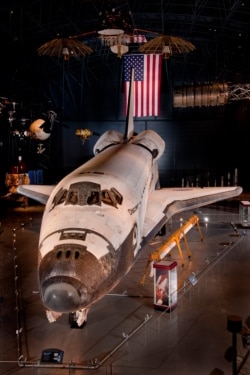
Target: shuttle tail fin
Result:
[[129, 131]]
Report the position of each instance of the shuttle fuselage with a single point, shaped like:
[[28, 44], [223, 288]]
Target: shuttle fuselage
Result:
[[93, 222]]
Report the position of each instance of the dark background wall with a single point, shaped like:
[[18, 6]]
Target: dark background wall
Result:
[[202, 143], [205, 149], [87, 92]]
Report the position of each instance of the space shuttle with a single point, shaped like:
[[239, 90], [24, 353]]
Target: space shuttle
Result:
[[100, 216]]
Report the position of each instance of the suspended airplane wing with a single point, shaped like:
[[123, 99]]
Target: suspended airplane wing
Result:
[[98, 218]]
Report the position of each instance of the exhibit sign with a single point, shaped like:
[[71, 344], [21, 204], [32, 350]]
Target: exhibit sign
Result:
[[165, 285]]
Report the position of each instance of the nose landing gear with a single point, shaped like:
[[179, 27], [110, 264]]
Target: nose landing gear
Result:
[[78, 318]]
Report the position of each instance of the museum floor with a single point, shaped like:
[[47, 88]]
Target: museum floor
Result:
[[124, 334]]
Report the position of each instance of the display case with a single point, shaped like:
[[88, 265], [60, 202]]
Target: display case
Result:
[[165, 285], [244, 214]]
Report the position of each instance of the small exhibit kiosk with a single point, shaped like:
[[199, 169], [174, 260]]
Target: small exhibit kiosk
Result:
[[165, 285], [52, 356], [244, 213]]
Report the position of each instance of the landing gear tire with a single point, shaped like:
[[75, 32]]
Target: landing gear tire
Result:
[[73, 321]]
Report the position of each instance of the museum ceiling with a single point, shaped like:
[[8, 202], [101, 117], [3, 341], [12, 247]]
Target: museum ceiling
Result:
[[219, 31]]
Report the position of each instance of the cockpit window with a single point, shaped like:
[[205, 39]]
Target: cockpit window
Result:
[[117, 195], [84, 193], [87, 193], [108, 198], [72, 197], [112, 197], [59, 197], [94, 198]]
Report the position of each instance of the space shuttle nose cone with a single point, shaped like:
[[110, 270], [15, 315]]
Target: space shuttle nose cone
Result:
[[61, 297]]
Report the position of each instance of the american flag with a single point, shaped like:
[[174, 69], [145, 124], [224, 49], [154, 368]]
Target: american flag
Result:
[[147, 70]]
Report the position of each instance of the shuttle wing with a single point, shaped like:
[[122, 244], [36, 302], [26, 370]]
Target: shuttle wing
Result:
[[39, 193], [166, 202]]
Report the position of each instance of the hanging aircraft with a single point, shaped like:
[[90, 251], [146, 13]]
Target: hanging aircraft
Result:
[[41, 129], [99, 217]]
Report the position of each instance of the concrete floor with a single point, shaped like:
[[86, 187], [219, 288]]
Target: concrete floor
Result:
[[124, 333]]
